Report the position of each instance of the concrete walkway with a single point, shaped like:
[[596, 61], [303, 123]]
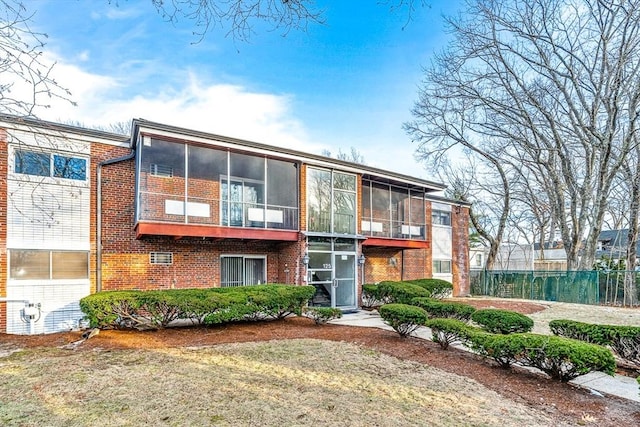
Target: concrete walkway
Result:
[[597, 383]]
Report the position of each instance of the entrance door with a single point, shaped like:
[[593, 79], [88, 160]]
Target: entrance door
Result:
[[344, 281], [333, 274]]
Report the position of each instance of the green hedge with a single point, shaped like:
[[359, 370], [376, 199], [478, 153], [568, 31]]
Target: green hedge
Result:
[[403, 318], [322, 315], [372, 296], [400, 292], [624, 340], [156, 309], [502, 321], [437, 288], [444, 310], [388, 292], [448, 331], [560, 358]]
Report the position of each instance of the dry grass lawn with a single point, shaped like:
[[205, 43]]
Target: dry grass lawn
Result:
[[296, 382]]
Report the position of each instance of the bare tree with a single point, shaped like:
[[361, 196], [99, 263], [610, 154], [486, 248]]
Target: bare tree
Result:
[[353, 155], [243, 16], [631, 171], [487, 189], [550, 85], [25, 83]]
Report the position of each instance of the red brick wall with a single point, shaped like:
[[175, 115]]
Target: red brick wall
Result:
[[196, 263], [379, 265], [290, 258], [415, 264], [117, 191], [460, 261]]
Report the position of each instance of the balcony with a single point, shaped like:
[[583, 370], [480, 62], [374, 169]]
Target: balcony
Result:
[[171, 214]]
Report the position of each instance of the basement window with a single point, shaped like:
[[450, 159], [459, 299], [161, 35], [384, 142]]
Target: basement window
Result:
[[161, 170], [161, 258]]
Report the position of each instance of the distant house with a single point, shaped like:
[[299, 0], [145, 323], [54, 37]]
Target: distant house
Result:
[[612, 244], [522, 257]]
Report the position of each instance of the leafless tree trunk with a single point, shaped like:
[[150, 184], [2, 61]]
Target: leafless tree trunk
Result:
[[633, 176]]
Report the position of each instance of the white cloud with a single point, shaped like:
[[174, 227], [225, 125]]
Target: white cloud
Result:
[[84, 56], [224, 109]]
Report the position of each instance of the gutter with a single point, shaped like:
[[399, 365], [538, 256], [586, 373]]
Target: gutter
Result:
[[99, 213]]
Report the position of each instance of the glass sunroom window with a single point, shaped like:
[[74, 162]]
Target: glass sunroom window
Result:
[[162, 181], [319, 200], [196, 184], [393, 211], [331, 201]]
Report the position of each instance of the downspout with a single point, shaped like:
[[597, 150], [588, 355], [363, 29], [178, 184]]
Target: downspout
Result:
[[99, 213]]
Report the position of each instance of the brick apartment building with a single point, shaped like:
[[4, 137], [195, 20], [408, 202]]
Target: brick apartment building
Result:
[[85, 211]]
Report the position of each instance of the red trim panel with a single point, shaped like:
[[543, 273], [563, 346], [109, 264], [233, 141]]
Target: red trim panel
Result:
[[188, 230], [397, 243]]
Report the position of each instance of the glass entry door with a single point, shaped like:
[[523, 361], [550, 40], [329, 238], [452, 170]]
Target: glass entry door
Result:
[[344, 281], [332, 271]]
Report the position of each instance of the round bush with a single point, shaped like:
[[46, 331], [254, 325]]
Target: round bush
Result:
[[403, 318], [445, 310], [401, 292], [502, 321]]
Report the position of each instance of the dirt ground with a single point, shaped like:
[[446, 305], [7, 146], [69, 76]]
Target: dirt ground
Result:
[[564, 402]]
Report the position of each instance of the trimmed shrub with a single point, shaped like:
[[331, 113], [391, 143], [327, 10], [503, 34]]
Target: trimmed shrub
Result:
[[560, 358], [579, 331], [502, 321], [322, 315], [113, 309], [623, 340], [403, 318], [445, 310], [156, 309], [400, 292], [437, 288], [448, 331], [372, 296]]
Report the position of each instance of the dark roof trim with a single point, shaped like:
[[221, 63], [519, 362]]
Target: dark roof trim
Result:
[[59, 127], [250, 145]]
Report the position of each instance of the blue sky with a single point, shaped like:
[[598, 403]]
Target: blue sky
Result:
[[350, 82]]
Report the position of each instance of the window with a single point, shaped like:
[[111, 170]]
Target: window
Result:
[[31, 163], [331, 201], [442, 266], [161, 170], [393, 211], [40, 164], [242, 271], [478, 260], [161, 258], [47, 265], [441, 218]]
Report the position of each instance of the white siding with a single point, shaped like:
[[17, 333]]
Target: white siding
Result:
[[442, 242], [59, 300], [47, 216], [442, 248], [47, 213]]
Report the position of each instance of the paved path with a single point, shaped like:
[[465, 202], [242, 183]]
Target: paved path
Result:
[[597, 382]]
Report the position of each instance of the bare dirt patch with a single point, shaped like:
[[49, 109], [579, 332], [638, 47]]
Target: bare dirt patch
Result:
[[558, 402]]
